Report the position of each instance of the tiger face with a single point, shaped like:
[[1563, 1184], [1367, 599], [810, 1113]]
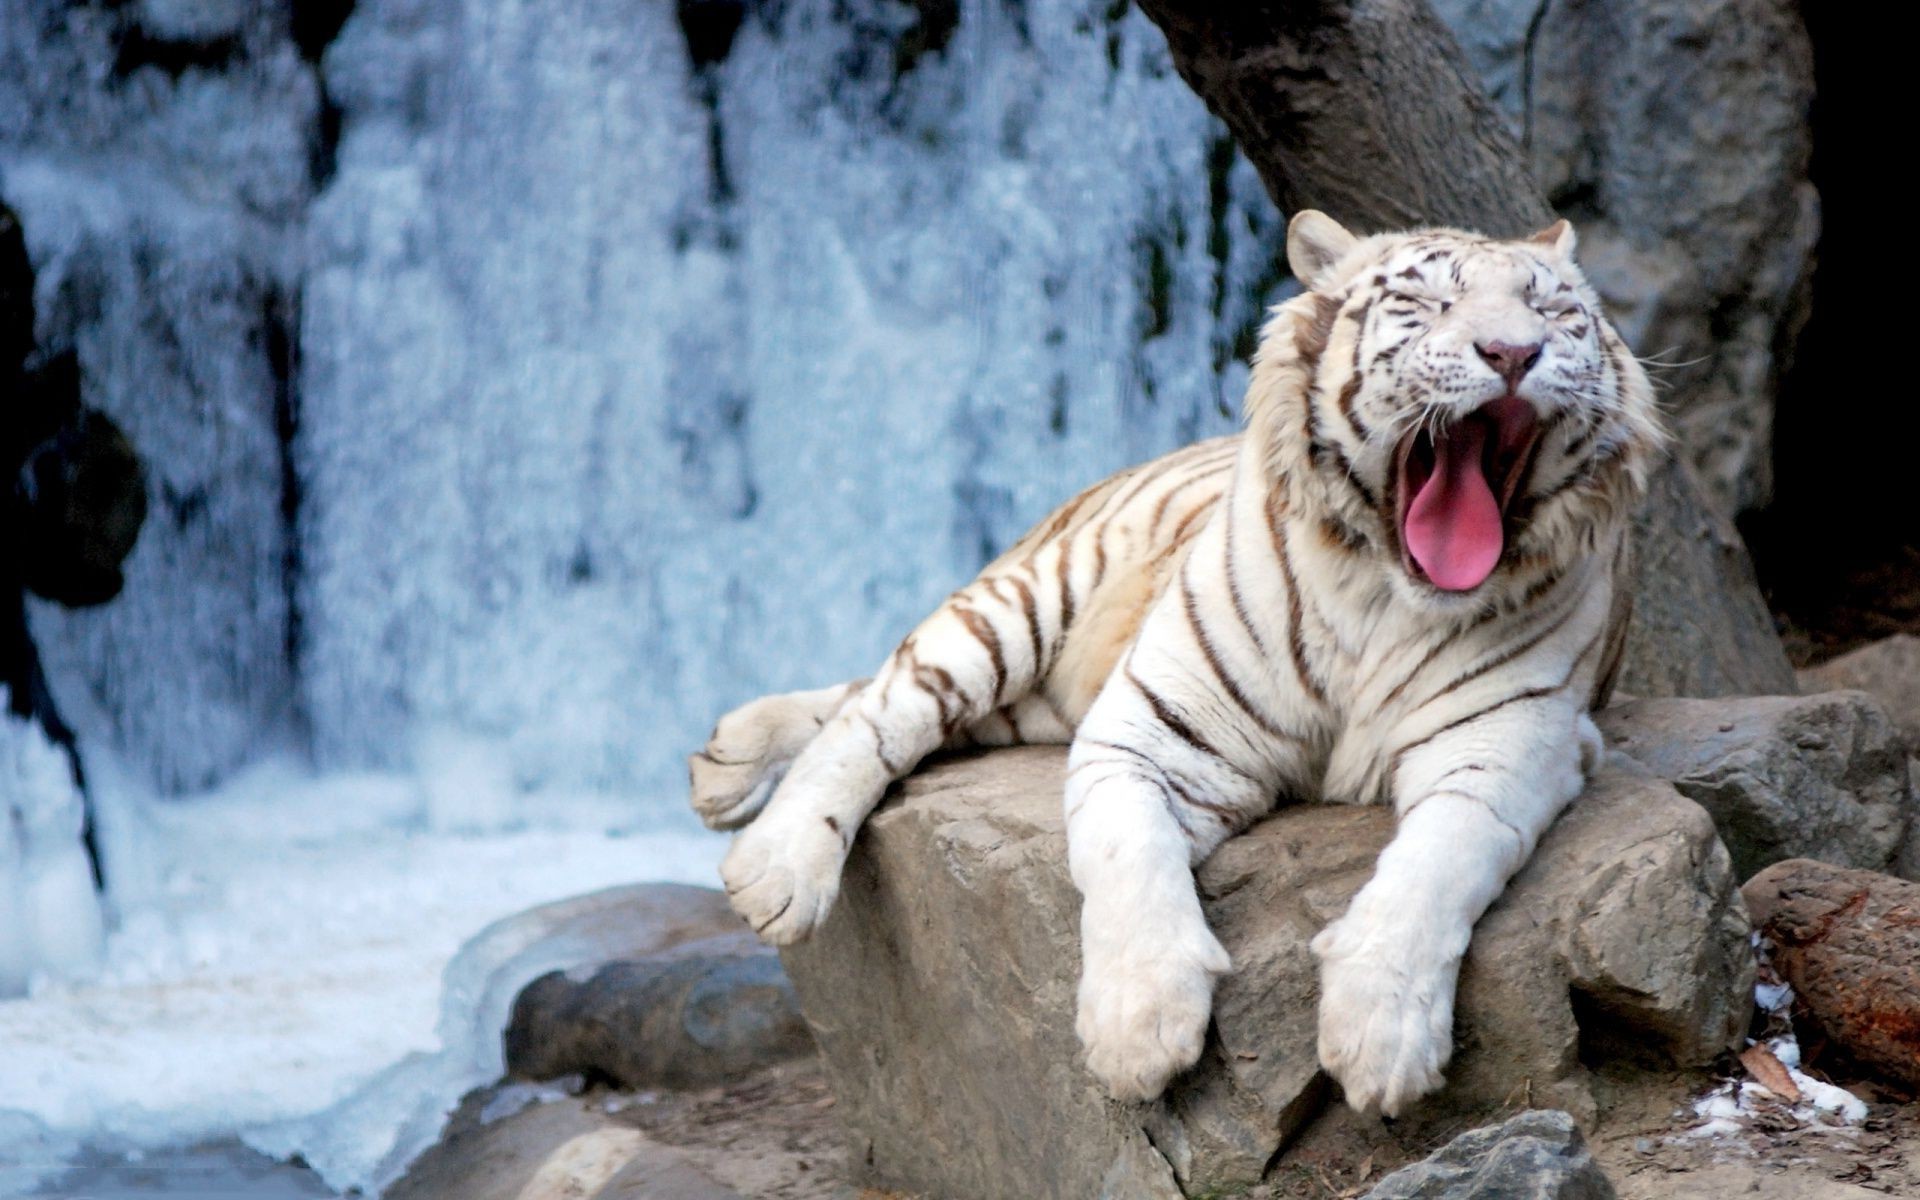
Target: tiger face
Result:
[[1456, 404]]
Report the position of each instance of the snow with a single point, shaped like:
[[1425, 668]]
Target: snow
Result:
[[1728, 1110], [283, 949], [51, 924]]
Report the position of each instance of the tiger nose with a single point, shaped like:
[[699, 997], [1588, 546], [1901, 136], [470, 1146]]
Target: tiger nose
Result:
[[1509, 361]]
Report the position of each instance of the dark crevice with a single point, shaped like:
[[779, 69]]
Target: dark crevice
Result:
[[709, 27], [139, 49], [316, 23], [930, 33], [1838, 549], [323, 155], [282, 323]]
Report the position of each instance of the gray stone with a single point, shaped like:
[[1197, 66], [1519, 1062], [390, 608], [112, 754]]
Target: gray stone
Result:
[[1676, 137], [941, 989], [1783, 777], [1889, 669], [705, 1012], [1537, 1155], [1700, 626]]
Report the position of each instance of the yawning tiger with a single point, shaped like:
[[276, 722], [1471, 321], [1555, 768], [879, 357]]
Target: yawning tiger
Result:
[[1404, 582]]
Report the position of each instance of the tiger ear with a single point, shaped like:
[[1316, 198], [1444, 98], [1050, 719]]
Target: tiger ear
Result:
[[1557, 237], [1315, 242]]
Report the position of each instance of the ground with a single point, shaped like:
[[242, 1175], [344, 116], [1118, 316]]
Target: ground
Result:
[[775, 1135]]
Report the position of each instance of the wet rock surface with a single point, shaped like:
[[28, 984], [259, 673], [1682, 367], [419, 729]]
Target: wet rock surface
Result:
[[941, 989], [706, 1012]]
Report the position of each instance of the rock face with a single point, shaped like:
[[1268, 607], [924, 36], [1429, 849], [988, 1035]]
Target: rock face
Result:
[[1700, 626], [705, 1012], [1783, 777], [1889, 669], [1676, 136], [1536, 1155], [1849, 943], [941, 989]]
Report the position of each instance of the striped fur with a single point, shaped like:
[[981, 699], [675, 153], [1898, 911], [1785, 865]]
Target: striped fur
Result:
[[1237, 623]]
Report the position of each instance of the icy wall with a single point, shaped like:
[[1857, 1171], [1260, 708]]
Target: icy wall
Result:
[[636, 385], [157, 156]]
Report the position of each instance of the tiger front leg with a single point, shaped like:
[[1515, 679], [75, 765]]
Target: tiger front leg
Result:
[[1473, 801], [1144, 804]]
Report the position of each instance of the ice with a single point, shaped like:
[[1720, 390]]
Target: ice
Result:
[[600, 438], [286, 950], [51, 924]]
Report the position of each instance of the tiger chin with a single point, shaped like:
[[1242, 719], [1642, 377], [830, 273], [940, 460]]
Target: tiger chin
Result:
[[1404, 583]]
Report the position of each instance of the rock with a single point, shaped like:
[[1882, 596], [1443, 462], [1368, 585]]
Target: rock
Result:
[[1889, 669], [1676, 137], [1849, 943], [554, 1148], [1700, 626], [1783, 777], [941, 989], [706, 1012], [1537, 1155]]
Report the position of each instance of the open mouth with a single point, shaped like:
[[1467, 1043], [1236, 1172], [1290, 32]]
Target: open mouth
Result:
[[1453, 490]]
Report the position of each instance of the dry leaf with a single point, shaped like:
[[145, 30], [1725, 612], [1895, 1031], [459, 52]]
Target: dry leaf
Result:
[[1769, 1072]]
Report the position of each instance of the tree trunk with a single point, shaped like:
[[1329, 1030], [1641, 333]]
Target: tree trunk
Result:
[[1366, 109]]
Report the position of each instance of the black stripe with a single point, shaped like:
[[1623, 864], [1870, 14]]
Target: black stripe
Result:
[[1296, 641], [1175, 723], [1220, 672], [984, 632]]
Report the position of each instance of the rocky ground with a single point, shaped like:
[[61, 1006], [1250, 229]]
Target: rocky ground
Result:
[[775, 1134]]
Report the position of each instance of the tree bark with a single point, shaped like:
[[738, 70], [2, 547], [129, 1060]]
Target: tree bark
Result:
[[1366, 110]]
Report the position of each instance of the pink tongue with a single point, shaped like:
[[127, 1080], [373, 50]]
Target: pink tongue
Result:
[[1453, 525]]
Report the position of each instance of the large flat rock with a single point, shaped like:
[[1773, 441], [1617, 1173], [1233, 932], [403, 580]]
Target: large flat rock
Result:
[[941, 989]]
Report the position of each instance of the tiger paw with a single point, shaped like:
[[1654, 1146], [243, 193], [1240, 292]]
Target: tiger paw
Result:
[[782, 878], [1144, 1010], [735, 773], [1386, 1019]]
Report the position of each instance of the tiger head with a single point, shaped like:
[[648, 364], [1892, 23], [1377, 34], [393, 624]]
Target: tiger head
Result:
[[1455, 404]]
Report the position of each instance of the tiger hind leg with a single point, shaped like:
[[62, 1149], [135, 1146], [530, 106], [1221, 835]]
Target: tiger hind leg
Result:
[[977, 655], [734, 774]]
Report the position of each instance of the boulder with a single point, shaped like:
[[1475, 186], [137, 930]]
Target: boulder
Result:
[[941, 989], [702, 1013], [1783, 777], [1536, 1155], [1889, 669], [1849, 943]]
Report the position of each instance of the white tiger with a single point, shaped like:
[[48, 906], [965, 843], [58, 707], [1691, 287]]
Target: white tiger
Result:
[[1403, 582]]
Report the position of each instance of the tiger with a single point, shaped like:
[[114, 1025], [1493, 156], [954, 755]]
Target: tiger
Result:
[[1405, 581]]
